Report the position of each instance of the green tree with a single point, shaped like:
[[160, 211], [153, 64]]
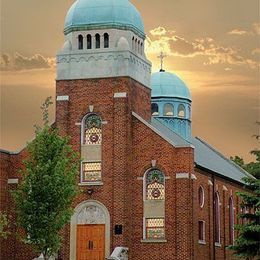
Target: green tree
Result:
[[3, 225], [45, 195], [247, 244]]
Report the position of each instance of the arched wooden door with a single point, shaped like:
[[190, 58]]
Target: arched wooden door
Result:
[[90, 242]]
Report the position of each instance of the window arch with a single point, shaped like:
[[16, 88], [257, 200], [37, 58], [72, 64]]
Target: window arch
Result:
[[89, 41], [80, 42], [97, 38], [217, 218], [231, 221], [133, 43], [138, 46], [168, 110], [154, 185], [155, 109], [106, 40], [181, 111], [92, 130], [141, 48], [201, 196]]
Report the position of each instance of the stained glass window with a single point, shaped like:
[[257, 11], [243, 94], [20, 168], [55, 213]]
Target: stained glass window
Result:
[[91, 171], [155, 228], [93, 131], [155, 185]]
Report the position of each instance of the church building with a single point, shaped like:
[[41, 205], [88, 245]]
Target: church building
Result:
[[150, 190]]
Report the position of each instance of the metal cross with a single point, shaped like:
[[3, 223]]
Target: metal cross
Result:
[[161, 57]]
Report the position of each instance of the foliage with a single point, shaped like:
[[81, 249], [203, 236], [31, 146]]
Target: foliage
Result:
[[44, 197], [248, 241], [3, 225]]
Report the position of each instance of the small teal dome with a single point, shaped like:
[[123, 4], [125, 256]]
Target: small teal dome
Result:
[[165, 84], [104, 14]]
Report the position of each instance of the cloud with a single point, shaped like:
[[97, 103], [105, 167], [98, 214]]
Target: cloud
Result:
[[255, 30], [158, 31], [238, 32], [214, 53], [18, 62]]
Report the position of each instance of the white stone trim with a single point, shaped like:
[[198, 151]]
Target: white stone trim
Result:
[[182, 175], [63, 98], [12, 181], [98, 183], [91, 108], [120, 95], [140, 178], [73, 226], [193, 177], [225, 188], [153, 240], [153, 162], [210, 183], [78, 124]]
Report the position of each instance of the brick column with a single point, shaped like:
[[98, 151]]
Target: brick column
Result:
[[120, 167], [62, 112]]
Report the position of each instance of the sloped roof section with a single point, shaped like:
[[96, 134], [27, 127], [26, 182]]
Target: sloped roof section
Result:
[[208, 158], [163, 131]]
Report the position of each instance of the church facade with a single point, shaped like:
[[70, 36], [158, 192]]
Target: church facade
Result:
[[149, 190]]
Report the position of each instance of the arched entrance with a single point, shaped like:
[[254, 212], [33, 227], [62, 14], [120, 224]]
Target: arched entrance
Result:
[[90, 231]]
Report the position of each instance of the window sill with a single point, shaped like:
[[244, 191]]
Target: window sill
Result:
[[154, 241], [217, 244], [202, 242], [98, 183]]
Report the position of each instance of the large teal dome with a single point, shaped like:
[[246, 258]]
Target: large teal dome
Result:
[[102, 14], [165, 84]]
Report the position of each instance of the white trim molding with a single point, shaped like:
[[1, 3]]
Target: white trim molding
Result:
[[120, 95], [183, 175], [63, 98], [12, 181]]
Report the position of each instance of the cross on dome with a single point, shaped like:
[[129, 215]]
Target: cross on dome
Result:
[[161, 57]]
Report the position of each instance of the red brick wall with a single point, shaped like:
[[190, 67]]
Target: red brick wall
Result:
[[206, 213]]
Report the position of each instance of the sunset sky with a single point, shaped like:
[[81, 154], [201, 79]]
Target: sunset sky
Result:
[[213, 45]]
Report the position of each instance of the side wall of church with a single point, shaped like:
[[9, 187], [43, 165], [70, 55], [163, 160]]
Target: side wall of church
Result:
[[225, 189], [148, 146], [12, 247]]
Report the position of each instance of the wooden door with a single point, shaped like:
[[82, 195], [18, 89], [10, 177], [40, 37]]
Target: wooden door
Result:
[[90, 242]]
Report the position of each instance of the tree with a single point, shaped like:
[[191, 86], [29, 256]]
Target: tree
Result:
[[3, 225], [44, 197], [248, 241]]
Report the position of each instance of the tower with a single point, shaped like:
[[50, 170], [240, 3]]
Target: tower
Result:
[[171, 102], [102, 77]]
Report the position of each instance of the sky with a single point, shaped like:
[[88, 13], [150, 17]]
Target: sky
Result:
[[212, 45]]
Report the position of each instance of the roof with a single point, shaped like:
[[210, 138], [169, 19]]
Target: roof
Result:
[[164, 132], [104, 14], [209, 158], [169, 85]]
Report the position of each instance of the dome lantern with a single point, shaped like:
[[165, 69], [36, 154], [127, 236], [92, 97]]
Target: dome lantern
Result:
[[171, 102]]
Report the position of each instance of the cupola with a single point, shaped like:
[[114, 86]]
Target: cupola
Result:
[[171, 102]]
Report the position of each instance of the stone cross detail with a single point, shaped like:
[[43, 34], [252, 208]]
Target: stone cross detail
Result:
[[161, 57]]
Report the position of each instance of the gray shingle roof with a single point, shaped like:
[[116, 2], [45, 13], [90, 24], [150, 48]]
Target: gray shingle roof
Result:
[[208, 158]]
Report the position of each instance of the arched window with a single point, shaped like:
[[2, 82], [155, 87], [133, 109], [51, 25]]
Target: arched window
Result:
[[181, 111], [106, 40], [217, 218], [231, 221], [155, 109], [133, 43], [154, 185], [91, 136], [201, 196], [89, 41], [80, 42], [97, 38], [141, 48], [138, 46], [168, 110], [92, 130]]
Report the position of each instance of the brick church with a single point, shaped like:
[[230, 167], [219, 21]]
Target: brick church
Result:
[[149, 189]]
